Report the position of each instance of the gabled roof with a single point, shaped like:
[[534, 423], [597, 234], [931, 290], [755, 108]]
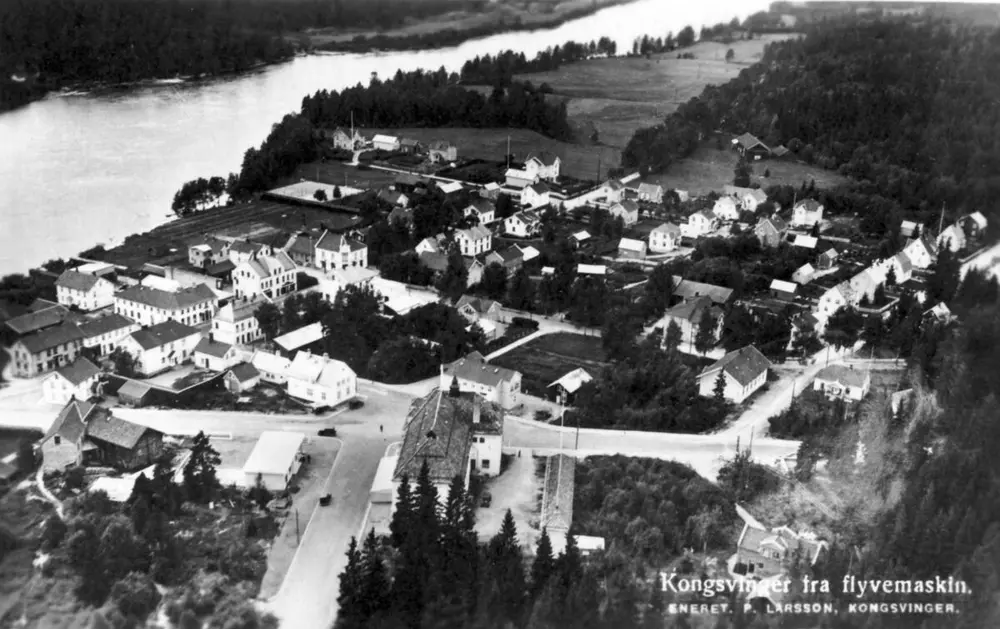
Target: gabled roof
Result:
[[692, 310], [48, 338], [528, 252], [784, 287], [440, 145], [748, 141], [809, 205], [614, 184], [758, 195], [668, 228], [479, 304], [743, 365], [408, 142], [843, 375], [706, 214], [271, 363], [216, 349], [319, 370], [274, 452], [162, 333], [115, 430], [475, 368], [77, 281], [481, 205], [434, 260], [528, 217], [904, 262], [906, 228], [580, 236], [545, 158], [220, 268], [650, 188], [300, 337], [391, 196], [476, 232], [630, 244], [269, 266], [79, 371], [38, 319], [245, 246], [808, 242], [166, 300], [239, 310], [244, 372], [71, 423], [573, 380], [686, 289], [387, 139], [539, 188], [977, 218], [774, 222], [510, 255], [629, 206], [330, 241], [303, 244], [105, 324], [830, 254]]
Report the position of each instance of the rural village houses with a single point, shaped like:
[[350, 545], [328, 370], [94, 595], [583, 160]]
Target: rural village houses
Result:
[[88, 434], [744, 371], [338, 252], [85, 291], [497, 384], [159, 347], [150, 306]]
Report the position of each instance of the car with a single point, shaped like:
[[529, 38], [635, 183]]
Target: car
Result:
[[486, 500], [355, 404], [328, 432], [321, 410], [325, 500]]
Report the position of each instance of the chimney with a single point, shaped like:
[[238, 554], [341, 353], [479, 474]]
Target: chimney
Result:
[[211, 337], [475, 410]]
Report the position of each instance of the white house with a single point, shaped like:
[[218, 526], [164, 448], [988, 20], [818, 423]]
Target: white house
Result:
[[535, 195], [628, 211], [236, 324], [385, 143], [545, 165], [843, 382], [840, 296], [210, 250], [650, 192], [726, 209], [162, 346], [215, 355], [321, 380], [482, 209], [525, 224], [631, 249], [497, 384], [699, 224], [75, 380], [150, 306], [272, 368], [579, 238], [806, 213], [271, 276], [612, 191], [105, 333], [337, 252], [474, 240], [86, 292], [242, 250], [744, 371], [241, 377], [922, 252], [274, 460], [952, 237], [804, 274], [567, 386], [665, 237], [429, 245], [519, 178], [751, 199]]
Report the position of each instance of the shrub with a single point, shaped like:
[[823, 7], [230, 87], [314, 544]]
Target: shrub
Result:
[[524, 322], [53, 533], [355, 404], [8, 542], [135, 595], [543, 415], [74, 477]]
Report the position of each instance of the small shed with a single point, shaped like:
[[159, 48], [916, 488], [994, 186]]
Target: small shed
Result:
[[783, 290], [631, 249], [566, 387], [242, 377], [275, 459], [807, 242], [134, 394]]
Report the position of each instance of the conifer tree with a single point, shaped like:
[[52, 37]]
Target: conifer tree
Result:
[[374, 578], [402, 517], [351, 611], [543, 565], [508, 571], [719, 391]]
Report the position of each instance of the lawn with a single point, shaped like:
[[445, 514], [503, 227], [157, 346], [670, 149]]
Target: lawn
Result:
[[617, 96], [709, 169], [549, 357], [580, 161]]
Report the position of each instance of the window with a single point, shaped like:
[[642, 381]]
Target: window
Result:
[[57, 440], [486, 464]]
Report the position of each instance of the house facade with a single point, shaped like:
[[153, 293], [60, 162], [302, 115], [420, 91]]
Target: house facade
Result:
[[337, 252], [840, 296], [544, 165], [770, 231], [474, 375], [476, 308], [441, 151], [321, 380], [806, 213], [159, 347], [525, 224], [76, 380], [209, 251], [241, 377], [151, 306], [922, 252], [843, 382], [650, 192], [763, 553], [482, 209], [688, 316], [628, 211], [631, 249], [215, 355], [106, 333], [270, 276], [46, 349], [242, 250], [86, 292], [743, 371], [474, 240], [665, 237], [88, 434], [385, 143], [699, 224], [535, 195], [236, 324], [827, 259], [726, 208]]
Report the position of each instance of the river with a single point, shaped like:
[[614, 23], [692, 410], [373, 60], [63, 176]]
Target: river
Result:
[[81, 169]]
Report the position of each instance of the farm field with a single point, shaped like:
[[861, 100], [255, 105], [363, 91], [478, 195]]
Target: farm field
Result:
[[617, 96], [552, 356], [578, 160]]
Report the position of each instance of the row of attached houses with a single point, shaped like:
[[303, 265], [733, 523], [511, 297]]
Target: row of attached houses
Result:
[[320, 380], [270, 276], [150, 306]]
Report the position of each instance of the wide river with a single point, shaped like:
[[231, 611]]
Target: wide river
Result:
[[82, 169]]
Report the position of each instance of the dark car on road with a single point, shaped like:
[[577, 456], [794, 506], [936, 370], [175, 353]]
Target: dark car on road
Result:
[[328, 432]]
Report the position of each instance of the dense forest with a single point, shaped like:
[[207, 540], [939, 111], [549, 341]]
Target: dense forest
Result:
[[904, 108]]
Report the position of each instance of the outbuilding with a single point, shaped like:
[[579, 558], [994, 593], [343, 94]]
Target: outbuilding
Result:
[[275, 459]]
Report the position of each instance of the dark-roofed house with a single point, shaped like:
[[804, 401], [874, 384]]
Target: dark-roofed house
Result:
[[75, 380], [395, 198], [535, 195], [87, 434], [497, 384], [688, 316], [85, 291], [751, 147], [476, 308], [301, 248], [770, 231], [242, 377], [482, 209], [46, 315], [524, 224], [208, 251], [765, 553], [271, 276], [337, 252], [807, 213], [628, 211], [46, 349], [544, 165], [686, 290], [162, 346], [843, 382], [242, 250], [511, 259], [215, 355], [105, 333], [149, 306], [744, 371], [452, 434]]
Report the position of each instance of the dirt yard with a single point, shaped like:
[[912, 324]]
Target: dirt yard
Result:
[[519, 489], [310, 480]]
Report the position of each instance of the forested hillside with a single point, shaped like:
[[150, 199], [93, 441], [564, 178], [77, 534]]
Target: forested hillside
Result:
[[906, 108]]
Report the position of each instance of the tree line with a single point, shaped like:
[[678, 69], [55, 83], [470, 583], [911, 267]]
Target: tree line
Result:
[[499, 69]]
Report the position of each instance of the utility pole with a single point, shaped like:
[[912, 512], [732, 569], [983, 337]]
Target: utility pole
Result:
[[941, 222], [298, 540], [508, 150]]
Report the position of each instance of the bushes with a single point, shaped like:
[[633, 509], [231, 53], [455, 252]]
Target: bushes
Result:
[[524, 322], [53, 533], [74, 477], [135, 595]]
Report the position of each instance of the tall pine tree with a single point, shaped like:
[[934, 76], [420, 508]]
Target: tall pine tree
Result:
[[351, 606]]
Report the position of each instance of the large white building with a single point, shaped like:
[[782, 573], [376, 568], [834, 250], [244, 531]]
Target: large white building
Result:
[[86, 292], [236, 324], [744, 371], [336, 252], [664, 238], [544, 165], [474, 240], [275, 460], [76, 380], [162, 346], [150, 306], [525, 224], [321, 380], [106, 333], [271, 276], [497, 384]]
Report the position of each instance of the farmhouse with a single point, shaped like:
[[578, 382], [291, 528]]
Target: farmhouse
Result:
[[525, 224], [474, 240], [535, 195], [275, 459], [452, 433], [241, 377], [105, 333], [744, 371], [86, 292], [88, 434], [699, 224], [482, 209], [159, 347], [631, 249], [337, 252], [236, 324], [474, 375], [441, 151], [806, 213], [271, 276], [688, 316], [215, 355], [750, 147], [726, 209], [150, 306], [770, 231], [843, 382], [565, 388], [650, 193], [385, 143], [664, 237], [76, 380], [545, 165], [321, 380], [628, 211]]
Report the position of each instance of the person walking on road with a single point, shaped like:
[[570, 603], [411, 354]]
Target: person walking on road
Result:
[[380, 428]]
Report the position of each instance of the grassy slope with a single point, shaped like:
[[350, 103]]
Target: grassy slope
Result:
[[552, 356]]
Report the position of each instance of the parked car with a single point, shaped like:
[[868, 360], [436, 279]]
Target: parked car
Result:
[[321, 410], [325, 500], [355, 404], [328, 432], [486, 500]]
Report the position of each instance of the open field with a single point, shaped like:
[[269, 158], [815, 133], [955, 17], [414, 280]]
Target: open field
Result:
[[580, 161], [709, 169], [617, 96], [530, 15], [552, 356]]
